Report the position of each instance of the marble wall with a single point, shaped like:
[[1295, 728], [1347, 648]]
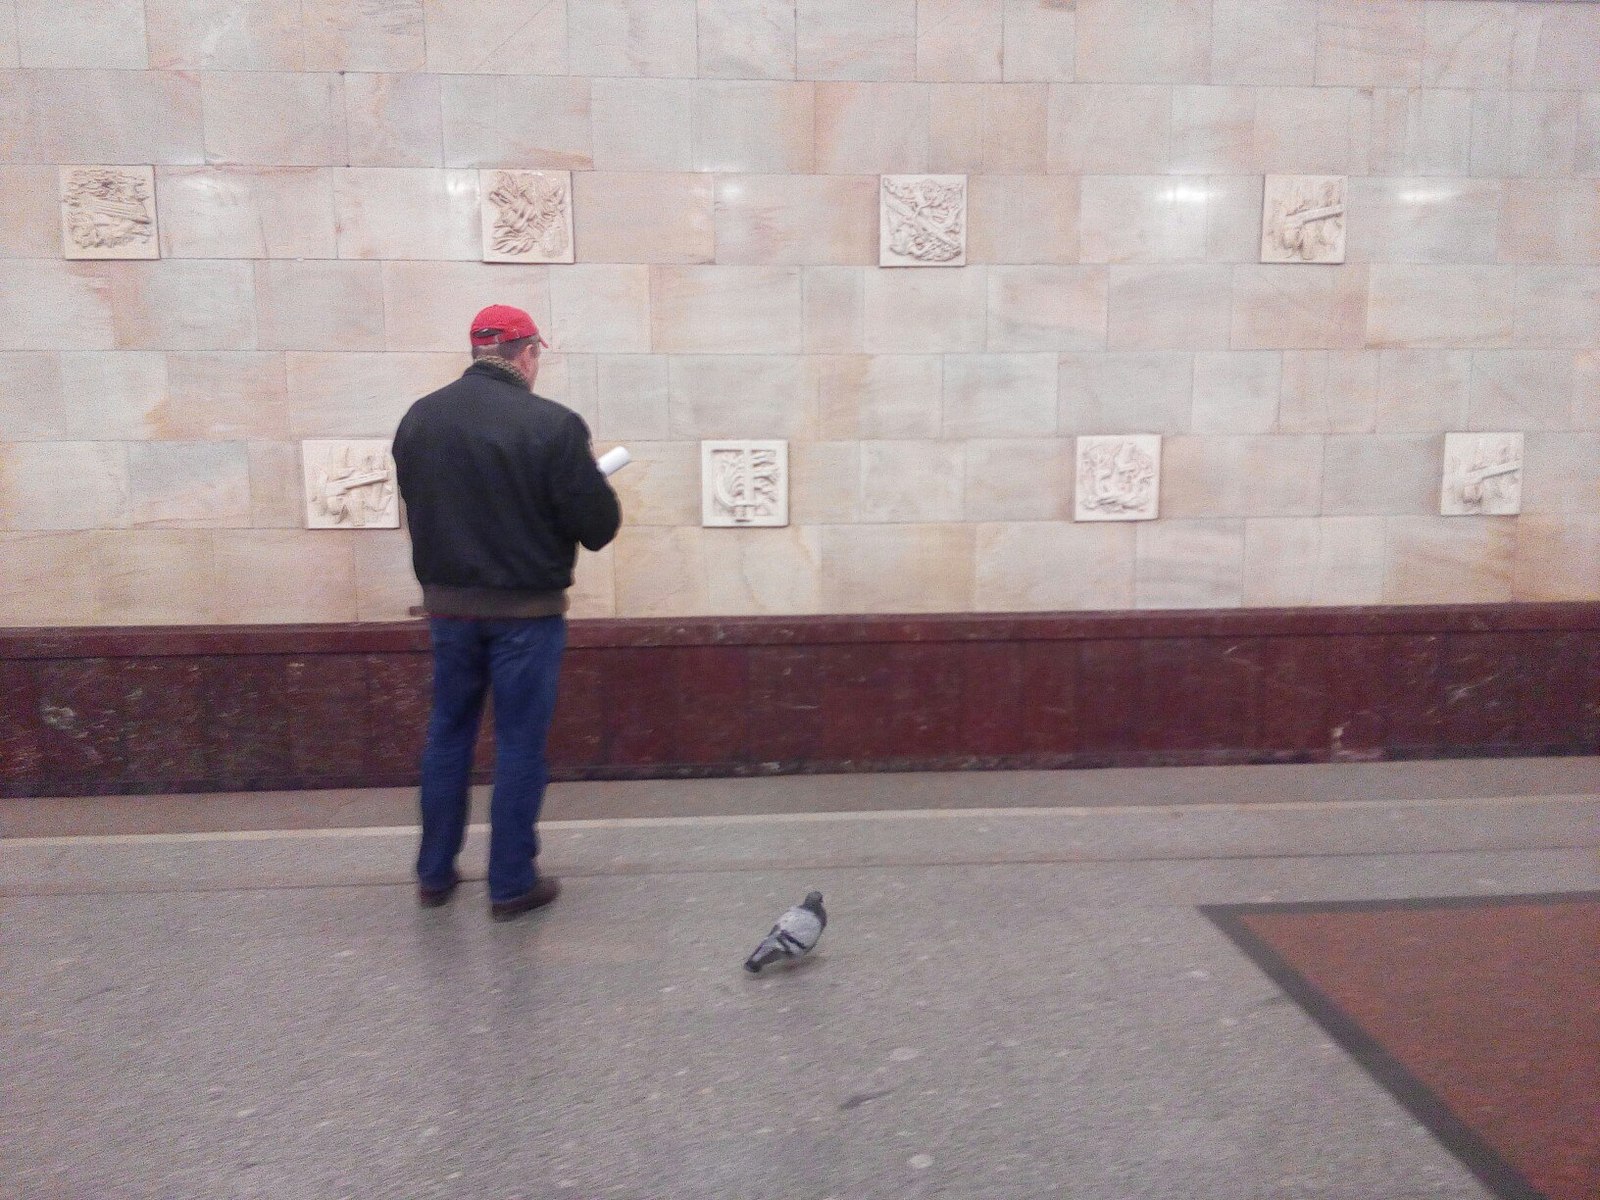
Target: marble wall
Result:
[[317, 169]]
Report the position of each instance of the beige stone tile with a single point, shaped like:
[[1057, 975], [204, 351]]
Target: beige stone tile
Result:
[[155, 577], [1557, 557], [1054, 567], [1420, 132], [1555, 221], [1525, 133], [50, 579], [189, 485], [277, 486], [395, 120], [764, 572], [833, 313], [661, 486], [1019, 479], [1565, 56], [1586, 390], [725, 310], [1213, 130], [1142, 218], [1155, 41], [38, 299], [1123, 392], [1521, 389], [1166, 307], [233, 212], [1023, 219], [244, 35], [1561, 474], [1423, 220], [1329, 391], [775, 219], [880, 396], [872, 128], [824, 482], [631, 37], [275, 119], [1443, 306], [1586, 147], [8, 35], [430, 305], [183, 305], [1367, 43], [1189, 564], [1422, 391], [1280, 560], [1557, 306], [408, 213], [1041, 41], [1276, 475], [520, 121], [386, 588], [81, 34], [341, 36], [1381, 474], [19, 113], [570, 379], [601, 308], [742, 396], [1264, 41], [754, 126], [856, 39], [64, 485], [319, 305], [286, 576], [988, 128], [29, 196], [661, 572], [644, 124], [897, 568], [925, 312], [33, 407], [361, 395], [1047, 308], [1304, 130], [644, 218], [632, 397], [746, 39], [220, 395], [534, 44], [959, 39], [999, 395], [594, 585], [916, 481], [1351, 554], [1468, 45], [140, 117], [1291, 307], [1233, 218], [1109, 129], [1448, 560], [1236, 392], [111, 394]]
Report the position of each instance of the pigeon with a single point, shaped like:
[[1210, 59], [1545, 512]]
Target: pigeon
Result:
[[796, 932]]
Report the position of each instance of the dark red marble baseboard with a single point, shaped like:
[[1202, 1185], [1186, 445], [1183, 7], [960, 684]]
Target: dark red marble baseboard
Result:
[[230, 708]]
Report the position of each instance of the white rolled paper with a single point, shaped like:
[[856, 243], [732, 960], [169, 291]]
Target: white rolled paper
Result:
[[613, 461]]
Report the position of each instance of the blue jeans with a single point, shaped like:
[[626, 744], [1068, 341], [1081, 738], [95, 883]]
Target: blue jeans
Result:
[[521, 661]]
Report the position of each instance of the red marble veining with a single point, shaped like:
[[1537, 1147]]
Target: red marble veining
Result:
[[1494, 1009]]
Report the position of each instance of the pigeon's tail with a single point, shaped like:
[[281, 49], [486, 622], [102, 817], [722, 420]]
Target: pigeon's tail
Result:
[[768, 952]]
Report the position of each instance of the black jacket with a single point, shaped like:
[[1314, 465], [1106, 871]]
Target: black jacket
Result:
[[500, 486]]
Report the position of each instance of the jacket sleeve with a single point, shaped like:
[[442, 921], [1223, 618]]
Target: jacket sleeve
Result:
[[587, 510]]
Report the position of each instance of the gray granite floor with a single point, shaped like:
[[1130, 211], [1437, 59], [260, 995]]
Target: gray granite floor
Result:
[[1009, 1002]]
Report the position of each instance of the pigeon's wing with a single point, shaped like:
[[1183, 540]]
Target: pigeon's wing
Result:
[[800, 926]]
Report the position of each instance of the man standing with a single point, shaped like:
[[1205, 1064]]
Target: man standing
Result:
[[501, 488]]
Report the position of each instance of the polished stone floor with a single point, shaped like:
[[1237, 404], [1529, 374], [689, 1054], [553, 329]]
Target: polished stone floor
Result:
[[1014, 998]]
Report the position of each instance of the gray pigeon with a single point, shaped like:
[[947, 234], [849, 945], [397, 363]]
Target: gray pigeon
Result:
[[796, 932]]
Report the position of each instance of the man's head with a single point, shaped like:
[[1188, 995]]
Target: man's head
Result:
[[510, 335]]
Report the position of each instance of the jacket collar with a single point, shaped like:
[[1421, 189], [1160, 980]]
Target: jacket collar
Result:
[[499, 368]]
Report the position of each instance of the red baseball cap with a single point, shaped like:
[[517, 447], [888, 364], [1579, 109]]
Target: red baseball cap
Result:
[[502, 323]]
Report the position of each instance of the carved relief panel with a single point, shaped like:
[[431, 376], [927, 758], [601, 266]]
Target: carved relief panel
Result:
[[527, 216], [109, 212], [744, 483], [1482, 475], [350, 485], [922, 221], [1303, 219], [1119, 477]]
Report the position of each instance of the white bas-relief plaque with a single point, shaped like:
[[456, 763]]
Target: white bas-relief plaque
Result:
[[1482, 475], [922, 221], [350, 485], [109, 212], [527, 216], [1119, 477], [1302, 219], [744, 483]]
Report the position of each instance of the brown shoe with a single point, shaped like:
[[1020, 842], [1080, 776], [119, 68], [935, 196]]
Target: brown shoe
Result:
[[432, 897], [546, 889]]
